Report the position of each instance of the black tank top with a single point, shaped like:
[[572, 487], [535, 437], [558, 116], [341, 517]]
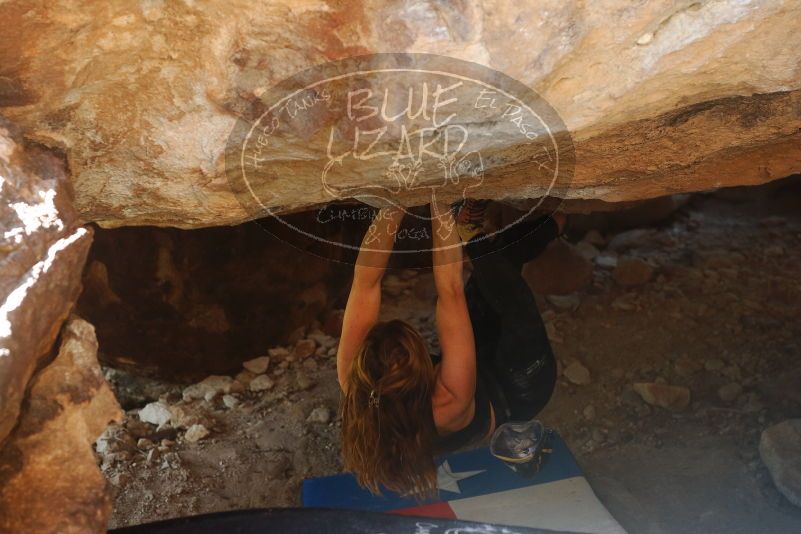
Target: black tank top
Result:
[[488, 397]]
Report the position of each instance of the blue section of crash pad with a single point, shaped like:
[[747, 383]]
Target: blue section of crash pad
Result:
[[342, 491]]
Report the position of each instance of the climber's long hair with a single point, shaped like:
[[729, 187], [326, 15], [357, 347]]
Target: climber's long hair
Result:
[[388, 426]]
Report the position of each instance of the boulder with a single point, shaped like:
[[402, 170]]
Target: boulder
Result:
[[49, 479], [42, 251], [780, 450], [679, 97]]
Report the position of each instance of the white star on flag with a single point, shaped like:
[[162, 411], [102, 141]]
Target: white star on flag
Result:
[[449, 481]]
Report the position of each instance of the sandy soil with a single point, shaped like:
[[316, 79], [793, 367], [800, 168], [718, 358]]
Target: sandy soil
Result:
[[723, 307]]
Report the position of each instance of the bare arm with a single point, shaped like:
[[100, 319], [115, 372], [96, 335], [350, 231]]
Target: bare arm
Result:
[[456, 382], [364, 301]]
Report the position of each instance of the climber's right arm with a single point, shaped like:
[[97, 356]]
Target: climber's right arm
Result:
[[364, 301]]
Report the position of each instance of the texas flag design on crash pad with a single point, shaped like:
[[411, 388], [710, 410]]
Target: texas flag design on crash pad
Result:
[[475, 486]]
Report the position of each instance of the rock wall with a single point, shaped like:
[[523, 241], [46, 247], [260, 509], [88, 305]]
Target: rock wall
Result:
[[42, 251], [49, 479], [661, 96]]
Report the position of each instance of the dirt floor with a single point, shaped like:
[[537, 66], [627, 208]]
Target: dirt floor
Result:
[[722, 309]]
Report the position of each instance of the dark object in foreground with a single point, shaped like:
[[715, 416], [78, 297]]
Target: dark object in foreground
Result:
[[276, 520]]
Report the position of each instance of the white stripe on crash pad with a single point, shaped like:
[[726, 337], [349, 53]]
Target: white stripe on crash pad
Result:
[[568, 504]]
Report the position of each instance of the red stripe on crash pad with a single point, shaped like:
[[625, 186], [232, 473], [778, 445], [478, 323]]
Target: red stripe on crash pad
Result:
[[441, 510]]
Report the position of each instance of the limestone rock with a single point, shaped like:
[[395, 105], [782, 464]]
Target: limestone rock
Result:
[[673, 398], [560, 270], [209, 388], [779, 449], [195, 433], [304, 348], [49, 481], [245, 378], [606, 260], [577, 374], [183, 416], [257, 365], [679, 97], [279, 353], [155, 413], [261, 383], [320, 415], [230, 401], [42, 252]]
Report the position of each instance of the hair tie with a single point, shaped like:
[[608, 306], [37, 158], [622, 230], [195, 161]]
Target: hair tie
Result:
[[374, 399]]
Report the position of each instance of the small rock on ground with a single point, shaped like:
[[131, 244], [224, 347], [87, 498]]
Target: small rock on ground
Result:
[[195, 433], [577, 374], [780, 449], [261, 383], [257, 365], [155, 413], [278, 352], [631, 272], [606, 260], [673, 398], [304, 348], [321, 414], [230, 401], [209, 388]]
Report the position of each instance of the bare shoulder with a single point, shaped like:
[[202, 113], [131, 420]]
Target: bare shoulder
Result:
[[451, 413]]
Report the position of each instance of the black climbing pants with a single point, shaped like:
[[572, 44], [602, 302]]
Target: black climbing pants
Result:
[[512, 348]]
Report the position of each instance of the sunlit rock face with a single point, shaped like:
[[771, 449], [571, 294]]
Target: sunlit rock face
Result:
[[49, 480], [42, 251], [660, 97]]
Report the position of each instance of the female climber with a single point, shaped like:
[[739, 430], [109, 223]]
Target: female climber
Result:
[[402, 406]]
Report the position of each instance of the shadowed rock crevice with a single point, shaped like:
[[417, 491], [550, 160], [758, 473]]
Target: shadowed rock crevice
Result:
[[184, 304]]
